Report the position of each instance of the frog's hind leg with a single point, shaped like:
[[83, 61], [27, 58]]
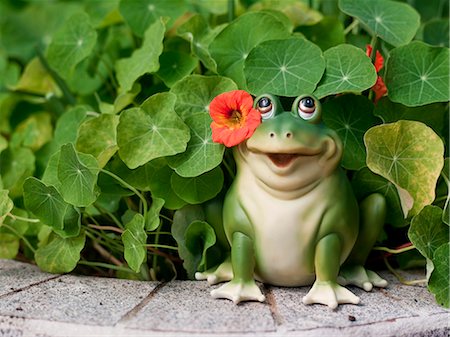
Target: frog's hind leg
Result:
[[222, 273], [372, 216]]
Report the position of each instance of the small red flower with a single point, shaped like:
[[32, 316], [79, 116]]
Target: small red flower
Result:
[[234, 119], [379, 87]]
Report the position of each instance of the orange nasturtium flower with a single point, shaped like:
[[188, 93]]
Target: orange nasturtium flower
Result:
[[379, 88], [234, 119]]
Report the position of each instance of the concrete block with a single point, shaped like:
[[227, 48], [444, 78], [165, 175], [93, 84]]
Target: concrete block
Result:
[[77, 299], [16, 275], [187, 306]]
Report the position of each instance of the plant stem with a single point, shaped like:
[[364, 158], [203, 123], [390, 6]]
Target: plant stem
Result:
[[106, 228], [395, 251], [231, 10], [400, 277], [135, 191], [107, 255], [351, 26], [20, 236], [155, 245], [105, 265], [373, 44], [16, 217]]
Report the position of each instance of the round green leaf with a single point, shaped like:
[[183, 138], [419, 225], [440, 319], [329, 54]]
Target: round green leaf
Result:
[[66, 129], [33, 132], [431, 114], [72, 44], [15, 166], [200, 236], [160, 187], [6, 204], [436, 32], [350, 116], [427, 231], [196, 190], [97, 136], [327, 33], [232, 46], [78, 175], [151, 131], [287, 67], [60, 255], [139, 14], [195, 92], [134, 240], [365, 182], [9, 246], [348, 69], [418, 74], [152, 220], [143, 60], [393, 21], [174, 66], [439, 283], [410, 155], [202, 154]]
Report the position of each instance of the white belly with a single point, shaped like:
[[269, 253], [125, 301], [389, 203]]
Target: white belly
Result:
[[285, 233]]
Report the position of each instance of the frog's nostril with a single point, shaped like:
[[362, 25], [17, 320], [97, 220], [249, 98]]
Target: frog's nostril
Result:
[[288, 134], [272, 134]]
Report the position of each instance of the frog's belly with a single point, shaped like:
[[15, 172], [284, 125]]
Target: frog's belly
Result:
[[285, 238]]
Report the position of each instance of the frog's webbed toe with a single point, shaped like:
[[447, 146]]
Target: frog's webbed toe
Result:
[[329, 293], [361, 277], [223, 273], [239, 292]]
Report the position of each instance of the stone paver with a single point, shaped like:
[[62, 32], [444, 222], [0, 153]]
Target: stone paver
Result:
[[35, 304]]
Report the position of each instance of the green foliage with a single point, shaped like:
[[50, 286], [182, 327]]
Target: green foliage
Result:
[[105, 139]]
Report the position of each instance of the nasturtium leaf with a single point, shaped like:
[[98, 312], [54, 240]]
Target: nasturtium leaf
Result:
[[436, 32], [140, 14], [327, 33], [393, 21], [143, 60], [78, 175], [231, 47], [197, 31], [439, 283], [202, 154], [50, 176], [6, 204], [195, 92], [126, 98], [19, 226], [67, 125], [350, 116], [103, 13], [410, 155], [298, 12], [418, 74], [200, 236], [134, 240], [36, 79], [9, 246], [45, 202], [181, 220], [3, 143], [97, 136], [427, 231], [160, 187], [33, 132], [288, 67], [174, 66], [431, 114], [365, 182], [152, 221], [60, 255], [445, 174], [71, 44], [196, 190], [151, 131], [348, 69], [218, 7], [15, 166]]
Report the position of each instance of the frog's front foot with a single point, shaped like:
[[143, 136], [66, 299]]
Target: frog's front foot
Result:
[[216, 275], [238, 291], [329, 293], [361, 277]]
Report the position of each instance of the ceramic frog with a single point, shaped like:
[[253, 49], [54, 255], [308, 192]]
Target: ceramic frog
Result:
[[291, 217]]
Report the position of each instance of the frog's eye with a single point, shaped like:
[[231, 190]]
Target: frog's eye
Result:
[[265, 107], [307, 107]]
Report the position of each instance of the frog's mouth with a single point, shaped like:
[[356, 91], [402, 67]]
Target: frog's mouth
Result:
[[282, 159]]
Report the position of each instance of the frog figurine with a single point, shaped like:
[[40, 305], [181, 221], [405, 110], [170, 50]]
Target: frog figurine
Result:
[[290, 215]]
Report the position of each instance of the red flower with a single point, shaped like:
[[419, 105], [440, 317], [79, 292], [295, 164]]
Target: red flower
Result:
[[379, 87], [234, 119]]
